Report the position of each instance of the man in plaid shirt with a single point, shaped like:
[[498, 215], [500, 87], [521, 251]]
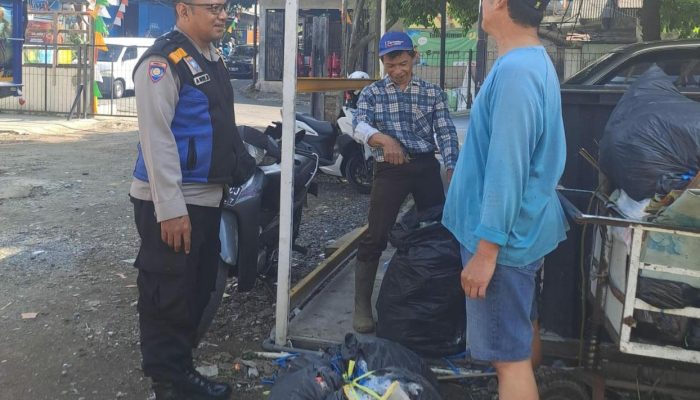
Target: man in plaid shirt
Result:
[[405, 120]]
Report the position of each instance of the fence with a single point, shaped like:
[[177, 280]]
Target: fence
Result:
[[56, 79], [459, 78], [115, 80], [460, 84]]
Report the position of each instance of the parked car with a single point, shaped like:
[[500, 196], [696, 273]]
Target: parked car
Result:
[[116, 65], [680, 60], [240, 62]]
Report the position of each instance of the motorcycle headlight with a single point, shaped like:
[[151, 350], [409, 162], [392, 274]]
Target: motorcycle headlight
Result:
[[257, 153]]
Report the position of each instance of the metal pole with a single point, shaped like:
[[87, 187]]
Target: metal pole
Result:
[[255, 44], [481, 52], [289, 83], [382, 30], [46, 78], [343, 37], [443, 39], [469, 80]]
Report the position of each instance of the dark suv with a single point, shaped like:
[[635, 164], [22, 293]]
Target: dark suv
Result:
[[680, 60], [240, 62]]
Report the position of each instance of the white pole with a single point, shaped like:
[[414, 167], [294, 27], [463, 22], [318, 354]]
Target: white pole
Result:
[[289, 83], [382, 30]]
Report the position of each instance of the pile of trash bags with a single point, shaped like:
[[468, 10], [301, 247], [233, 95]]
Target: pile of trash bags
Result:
[[421, 302], [651, 143], [362, 368]]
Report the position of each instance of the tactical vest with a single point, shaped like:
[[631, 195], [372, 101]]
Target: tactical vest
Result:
[[210, 149]]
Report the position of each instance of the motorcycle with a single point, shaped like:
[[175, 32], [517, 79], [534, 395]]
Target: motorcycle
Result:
[[249, 231], [341, 154]]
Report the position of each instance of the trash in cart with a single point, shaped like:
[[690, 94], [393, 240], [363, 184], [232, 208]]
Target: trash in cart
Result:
[[648, 284], [651, 142]]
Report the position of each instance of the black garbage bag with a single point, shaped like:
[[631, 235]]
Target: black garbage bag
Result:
[[319, 380], [413, 385], [381, 354], [421, 303], [692, 339], [651, 142], [665, 294], [660, 328]]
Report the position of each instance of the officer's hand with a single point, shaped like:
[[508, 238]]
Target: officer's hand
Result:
[[393, 152], [176, 233]]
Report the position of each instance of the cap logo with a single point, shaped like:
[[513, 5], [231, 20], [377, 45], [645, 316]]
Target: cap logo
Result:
[[392, 43]]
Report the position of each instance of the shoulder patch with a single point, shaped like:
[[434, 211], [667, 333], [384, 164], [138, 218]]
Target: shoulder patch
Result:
[[156, 70], [177, 55]]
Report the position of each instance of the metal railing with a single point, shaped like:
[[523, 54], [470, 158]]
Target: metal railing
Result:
[[115, 81], [459, 81]]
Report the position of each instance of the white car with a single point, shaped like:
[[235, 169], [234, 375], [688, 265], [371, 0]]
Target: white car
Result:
[[116, 66]]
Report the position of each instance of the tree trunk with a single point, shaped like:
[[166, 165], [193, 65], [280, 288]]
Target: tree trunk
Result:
[[650, 20]]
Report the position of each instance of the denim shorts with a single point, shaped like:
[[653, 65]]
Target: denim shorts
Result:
[[499, 327]]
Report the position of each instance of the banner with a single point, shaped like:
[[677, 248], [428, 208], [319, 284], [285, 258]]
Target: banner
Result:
[[457, 46], [6, 55]]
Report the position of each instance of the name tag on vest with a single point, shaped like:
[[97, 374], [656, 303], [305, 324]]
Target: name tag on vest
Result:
[[200, 79]]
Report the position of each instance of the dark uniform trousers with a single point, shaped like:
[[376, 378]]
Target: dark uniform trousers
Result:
[[392, 184], [174, 289]]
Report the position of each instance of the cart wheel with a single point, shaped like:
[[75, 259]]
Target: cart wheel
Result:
[[554, 384]]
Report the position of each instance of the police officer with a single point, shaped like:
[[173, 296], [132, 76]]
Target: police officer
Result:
[[189, 150]]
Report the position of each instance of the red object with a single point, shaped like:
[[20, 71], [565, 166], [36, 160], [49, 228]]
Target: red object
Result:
[[334, 65]]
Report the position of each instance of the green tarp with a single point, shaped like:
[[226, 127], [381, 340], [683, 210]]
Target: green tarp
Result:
[[456, 48]]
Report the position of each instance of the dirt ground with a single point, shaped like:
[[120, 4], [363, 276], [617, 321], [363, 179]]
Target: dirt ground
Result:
[[67, 286]]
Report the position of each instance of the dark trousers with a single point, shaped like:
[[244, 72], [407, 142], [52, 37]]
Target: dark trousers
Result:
[[391, 185], [174, 289]]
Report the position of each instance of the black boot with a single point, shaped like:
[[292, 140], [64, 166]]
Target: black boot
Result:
[[197, 387], [166, 391]]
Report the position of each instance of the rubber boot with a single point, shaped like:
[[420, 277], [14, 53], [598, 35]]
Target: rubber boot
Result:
[[365, 273]]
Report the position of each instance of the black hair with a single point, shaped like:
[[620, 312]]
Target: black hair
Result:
[[393, 54], [528, 13]]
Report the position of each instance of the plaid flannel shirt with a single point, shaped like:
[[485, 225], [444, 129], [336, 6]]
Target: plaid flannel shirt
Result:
[[417, 117]]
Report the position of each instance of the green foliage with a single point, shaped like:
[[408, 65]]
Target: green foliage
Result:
[[682, 16], [423, 12], [242, 3]]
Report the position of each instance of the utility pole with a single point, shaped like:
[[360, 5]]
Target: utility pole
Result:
[[443, 39], [382, 30]]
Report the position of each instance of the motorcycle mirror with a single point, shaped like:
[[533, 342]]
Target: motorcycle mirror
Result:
[[274, 131]]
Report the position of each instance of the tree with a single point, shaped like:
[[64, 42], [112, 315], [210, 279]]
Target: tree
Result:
[[424, 12], [681, 16], [419, 12], [670, 16]]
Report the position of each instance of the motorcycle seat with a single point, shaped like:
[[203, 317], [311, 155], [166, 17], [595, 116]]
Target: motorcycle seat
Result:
[[323, 128]]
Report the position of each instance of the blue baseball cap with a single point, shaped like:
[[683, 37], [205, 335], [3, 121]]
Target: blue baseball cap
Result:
[[394, 41]]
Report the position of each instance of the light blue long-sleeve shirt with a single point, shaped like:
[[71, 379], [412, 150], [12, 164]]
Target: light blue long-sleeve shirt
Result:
[[504, 187]]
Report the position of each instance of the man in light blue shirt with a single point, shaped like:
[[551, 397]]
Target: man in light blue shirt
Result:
[[502, 204]]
